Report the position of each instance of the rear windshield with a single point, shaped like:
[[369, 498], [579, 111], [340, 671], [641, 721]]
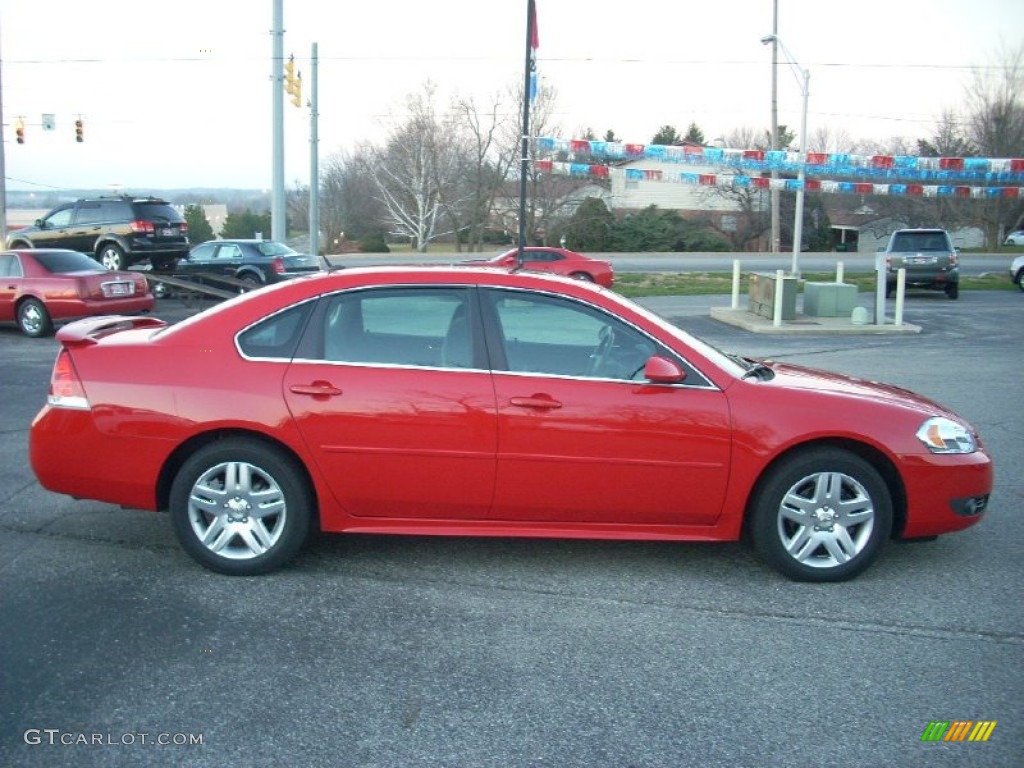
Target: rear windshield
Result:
[[920, 241], [157, 212], [65, 261]]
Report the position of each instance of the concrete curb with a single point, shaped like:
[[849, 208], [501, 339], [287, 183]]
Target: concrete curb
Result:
[[805, 324]]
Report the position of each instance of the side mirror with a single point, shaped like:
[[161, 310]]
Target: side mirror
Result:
[[661, 370]]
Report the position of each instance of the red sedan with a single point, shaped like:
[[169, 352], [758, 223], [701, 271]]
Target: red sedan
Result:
[[475, 402], [557, 260], [40, 286]]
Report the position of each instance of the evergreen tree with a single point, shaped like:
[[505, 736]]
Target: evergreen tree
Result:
[[199, 229]]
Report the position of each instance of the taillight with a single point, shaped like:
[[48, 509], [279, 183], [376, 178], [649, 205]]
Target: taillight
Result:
[[183, 227], [66, 390], [953, 259], [142, 227], [278, 266]]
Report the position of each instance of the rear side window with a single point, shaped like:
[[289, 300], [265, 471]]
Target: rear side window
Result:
[[414, 326], [277, 336], [9, 265]]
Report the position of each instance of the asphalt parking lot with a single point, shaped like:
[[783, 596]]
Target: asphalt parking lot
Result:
[[117, 649]]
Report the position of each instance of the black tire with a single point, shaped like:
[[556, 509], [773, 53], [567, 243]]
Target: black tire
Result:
[[33, 319], [111, 257], [241, 507], [890, 289], [1020, 279], [251, 282], [163, 263], [953, 290], [796, 529]]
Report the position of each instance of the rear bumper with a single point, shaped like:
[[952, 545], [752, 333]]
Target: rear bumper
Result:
[[71, 310]]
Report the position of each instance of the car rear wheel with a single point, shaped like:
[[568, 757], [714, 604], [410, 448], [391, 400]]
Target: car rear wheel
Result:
[[240, 507], [163, 263], [821, 515], [585, 276], [251, 282], [953, 290], [33, 319], [112, 257]]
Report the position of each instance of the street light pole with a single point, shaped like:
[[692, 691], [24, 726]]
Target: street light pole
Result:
[[804, 79]]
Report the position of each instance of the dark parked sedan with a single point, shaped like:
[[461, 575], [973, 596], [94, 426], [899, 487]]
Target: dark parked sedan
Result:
[[39, 286], [255, 262]]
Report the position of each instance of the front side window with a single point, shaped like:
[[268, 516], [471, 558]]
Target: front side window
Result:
[[414, 326], [61, 218], [547, 334]]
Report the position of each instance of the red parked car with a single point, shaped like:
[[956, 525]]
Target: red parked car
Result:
[[557, 260], [475, 402], [38, 287]]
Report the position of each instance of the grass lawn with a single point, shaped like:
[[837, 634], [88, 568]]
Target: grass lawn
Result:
[[633, 284]]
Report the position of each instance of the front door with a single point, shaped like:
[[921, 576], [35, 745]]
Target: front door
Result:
[[583, 438]]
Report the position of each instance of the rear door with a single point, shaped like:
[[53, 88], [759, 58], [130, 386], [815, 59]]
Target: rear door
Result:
[[393, 398], [10, 279]]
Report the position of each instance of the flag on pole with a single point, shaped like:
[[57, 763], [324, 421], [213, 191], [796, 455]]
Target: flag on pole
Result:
[[534, 43]]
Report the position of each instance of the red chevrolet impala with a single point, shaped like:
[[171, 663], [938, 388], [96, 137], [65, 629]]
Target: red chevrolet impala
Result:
[[474, 402]]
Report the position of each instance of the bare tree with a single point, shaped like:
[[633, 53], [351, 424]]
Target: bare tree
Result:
[[416, 169], [995, 125], [485, 167], [349, 208]]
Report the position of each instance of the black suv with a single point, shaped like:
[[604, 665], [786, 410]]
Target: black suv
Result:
[[116, 231]]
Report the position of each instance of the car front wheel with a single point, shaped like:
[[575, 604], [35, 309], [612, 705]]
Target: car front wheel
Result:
[[33, 319], [821, 515], [112, 257], [240, 507]]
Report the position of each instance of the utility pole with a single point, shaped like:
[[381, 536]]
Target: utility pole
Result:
[[776, 244], [278, 221], [3, 172], [314, 160]]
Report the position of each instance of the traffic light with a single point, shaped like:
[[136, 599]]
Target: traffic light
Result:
[[78, 131], [293, 81], [19, 130]]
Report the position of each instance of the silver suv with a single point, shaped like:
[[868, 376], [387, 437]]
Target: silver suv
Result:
[[929, 257]]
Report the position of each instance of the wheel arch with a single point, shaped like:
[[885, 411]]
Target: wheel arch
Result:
[[20, 243], [873, 456], [181, 454]]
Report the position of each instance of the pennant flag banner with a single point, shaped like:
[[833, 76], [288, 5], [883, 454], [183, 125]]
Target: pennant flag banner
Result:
[[891, 168], [584, 170]]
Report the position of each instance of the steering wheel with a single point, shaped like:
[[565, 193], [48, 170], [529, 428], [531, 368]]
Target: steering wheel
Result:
[[601, 353]]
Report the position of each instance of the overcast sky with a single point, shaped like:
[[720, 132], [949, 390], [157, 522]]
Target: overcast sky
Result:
[[178, 94]]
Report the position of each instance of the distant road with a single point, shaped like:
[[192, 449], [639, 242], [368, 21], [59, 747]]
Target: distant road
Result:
[[971, 264]]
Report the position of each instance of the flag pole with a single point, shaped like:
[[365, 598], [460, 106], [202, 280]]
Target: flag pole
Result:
[[529, 92]]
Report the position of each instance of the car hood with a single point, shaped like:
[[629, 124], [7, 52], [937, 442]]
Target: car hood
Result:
[[838, 384]]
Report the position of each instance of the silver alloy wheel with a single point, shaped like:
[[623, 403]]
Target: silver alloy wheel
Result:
[[237, 510], [825, 519], [111, 258], [32, 319]]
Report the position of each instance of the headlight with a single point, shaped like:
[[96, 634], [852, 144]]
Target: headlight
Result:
[[941, 435]]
